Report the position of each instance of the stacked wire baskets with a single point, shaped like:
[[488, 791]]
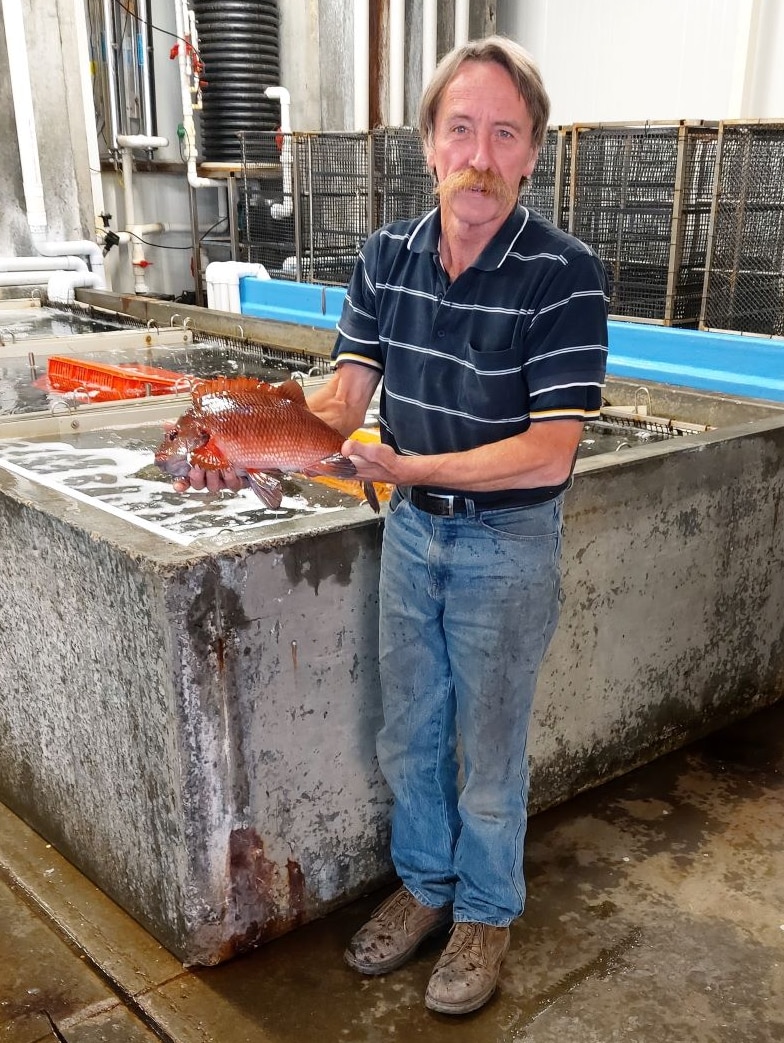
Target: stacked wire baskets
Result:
[[687, 217]]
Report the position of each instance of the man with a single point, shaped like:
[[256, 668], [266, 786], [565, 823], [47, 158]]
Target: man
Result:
[[489, 328]]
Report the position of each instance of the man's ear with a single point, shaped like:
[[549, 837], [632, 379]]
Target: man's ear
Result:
[[430, 158]]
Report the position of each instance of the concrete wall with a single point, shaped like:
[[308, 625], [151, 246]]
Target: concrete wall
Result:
[[195, 729]]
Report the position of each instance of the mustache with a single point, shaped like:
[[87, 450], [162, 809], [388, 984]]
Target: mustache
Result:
[[484, 180]]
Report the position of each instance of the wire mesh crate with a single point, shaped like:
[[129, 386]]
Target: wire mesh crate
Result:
[[636, 197], [403, 186], [310, 200], [687, 217], [335, 196], [265, 219], [744, 287], [548, 189]]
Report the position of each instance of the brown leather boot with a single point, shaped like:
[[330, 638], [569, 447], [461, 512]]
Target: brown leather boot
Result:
[[393, 933], [465, 977]]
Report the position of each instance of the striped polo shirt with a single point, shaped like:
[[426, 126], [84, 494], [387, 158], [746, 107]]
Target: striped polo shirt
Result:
[[518, 338]]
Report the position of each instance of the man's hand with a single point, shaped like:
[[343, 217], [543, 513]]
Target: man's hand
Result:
[[374, 461], [213, 481]]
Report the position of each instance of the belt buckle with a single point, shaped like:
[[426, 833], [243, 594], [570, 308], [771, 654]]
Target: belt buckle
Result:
[[448, 502]]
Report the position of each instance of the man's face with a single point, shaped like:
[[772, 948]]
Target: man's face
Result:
[[481, 148]]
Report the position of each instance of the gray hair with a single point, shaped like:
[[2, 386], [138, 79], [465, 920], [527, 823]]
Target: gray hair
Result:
[[510, 56]]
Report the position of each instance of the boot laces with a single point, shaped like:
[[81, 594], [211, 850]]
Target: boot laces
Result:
[[392, 912], [468, 938]]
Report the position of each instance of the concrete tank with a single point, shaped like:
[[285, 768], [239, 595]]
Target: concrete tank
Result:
[[193, 724]]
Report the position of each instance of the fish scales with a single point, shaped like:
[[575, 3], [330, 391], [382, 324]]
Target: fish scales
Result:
[[258, 429]]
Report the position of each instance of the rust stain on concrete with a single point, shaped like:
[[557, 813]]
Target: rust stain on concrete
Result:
[[264, 900]]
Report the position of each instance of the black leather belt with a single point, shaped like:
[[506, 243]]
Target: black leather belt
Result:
[[443, 504], [446, 505]]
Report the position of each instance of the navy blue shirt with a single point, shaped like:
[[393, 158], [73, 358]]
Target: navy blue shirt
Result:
[[519, 337]]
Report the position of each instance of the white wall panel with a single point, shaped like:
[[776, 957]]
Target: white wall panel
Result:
[[630, 60]]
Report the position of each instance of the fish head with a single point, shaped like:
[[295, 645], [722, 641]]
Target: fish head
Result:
[[179, 441]]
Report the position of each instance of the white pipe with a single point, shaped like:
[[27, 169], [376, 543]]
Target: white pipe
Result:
[[24, 278], [361, 64], [156, 228], [61, 285], [137, 251], [24, 114], [141, 141], [286, 208], [223, 283], [461, 22], [184, 32], [397, 62], [81, 248], [42, 264], [429, 40], [127, 143]]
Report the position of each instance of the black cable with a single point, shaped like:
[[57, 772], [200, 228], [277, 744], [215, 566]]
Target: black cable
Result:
[[166, 32]]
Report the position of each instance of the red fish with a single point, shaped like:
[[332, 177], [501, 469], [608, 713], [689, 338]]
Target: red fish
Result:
[[259, 429]]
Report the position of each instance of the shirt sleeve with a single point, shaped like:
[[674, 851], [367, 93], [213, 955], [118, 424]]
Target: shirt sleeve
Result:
[[357, 339], [567, 350]]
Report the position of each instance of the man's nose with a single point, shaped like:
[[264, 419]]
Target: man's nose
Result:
[[482, 154]]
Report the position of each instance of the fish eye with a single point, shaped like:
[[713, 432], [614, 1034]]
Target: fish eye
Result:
[[173, 435]]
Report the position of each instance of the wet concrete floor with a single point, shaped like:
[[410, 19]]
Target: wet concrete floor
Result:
[[655, 913]]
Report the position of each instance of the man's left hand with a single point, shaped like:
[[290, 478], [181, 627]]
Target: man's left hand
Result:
[[374, 461]]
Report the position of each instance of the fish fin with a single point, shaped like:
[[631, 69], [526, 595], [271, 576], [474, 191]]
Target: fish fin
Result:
[[267, 488], [228, 385], [209, 457], [336, 466], [290, 389], [371, 496]]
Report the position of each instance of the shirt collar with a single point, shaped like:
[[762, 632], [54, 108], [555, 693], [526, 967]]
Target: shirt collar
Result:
[[426, 234]]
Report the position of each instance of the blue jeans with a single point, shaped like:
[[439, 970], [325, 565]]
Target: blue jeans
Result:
[[468, 606]]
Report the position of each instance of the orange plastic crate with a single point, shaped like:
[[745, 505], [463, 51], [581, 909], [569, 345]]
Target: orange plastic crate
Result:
[[109, 383]]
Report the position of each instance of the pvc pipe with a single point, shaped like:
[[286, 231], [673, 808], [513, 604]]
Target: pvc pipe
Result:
[[429, 40], [186, 30], [397, 61], [286, 208], [61, 285], [461, 22], [223, 283], [156, 228], [141, 141], [41, 264], [24, 278], [361, 64], [21, 90], [81, 248], [127, 143]]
